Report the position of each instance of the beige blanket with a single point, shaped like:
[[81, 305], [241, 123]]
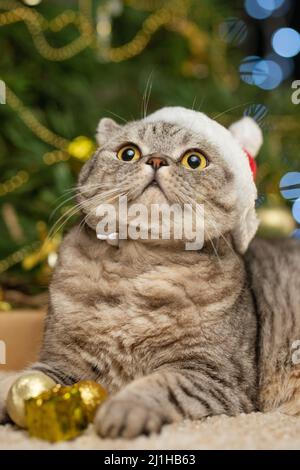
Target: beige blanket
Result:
[[253, 431]]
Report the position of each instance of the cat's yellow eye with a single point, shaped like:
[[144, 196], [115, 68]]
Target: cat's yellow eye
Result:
[[194, 160], [129, 153]]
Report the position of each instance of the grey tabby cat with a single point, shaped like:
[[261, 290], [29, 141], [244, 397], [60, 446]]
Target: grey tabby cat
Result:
[[174, 334]]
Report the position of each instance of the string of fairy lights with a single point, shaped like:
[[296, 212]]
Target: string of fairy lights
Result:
[[169, 14], [88, 33]]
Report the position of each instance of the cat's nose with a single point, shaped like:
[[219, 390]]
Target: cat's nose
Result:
[[157, 160]]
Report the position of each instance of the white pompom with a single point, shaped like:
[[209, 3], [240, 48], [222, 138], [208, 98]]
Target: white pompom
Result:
[[248, 133]]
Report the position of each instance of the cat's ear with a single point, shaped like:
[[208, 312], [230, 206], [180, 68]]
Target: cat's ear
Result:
[[249, 136], [106, 128]]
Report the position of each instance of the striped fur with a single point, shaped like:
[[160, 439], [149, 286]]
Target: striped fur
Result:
[[171, 334], [274, 271]]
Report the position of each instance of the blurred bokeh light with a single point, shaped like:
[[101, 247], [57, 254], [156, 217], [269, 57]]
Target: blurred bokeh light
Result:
[[290, 185], [270, 4], [258, 112], [296, 210], [247, 67], [286, 42], [254, 9], [264, 73], [233, 30], [286, 64]]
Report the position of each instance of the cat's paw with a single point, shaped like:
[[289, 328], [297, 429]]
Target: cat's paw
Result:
[[127, 417]]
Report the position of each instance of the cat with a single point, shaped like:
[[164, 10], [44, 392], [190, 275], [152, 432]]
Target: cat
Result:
[[172, 333]]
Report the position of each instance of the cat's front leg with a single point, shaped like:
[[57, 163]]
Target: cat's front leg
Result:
[[167, 396]]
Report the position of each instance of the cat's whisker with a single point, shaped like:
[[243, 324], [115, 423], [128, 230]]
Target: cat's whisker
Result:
[[215, 250], [194, 102], [57, 226], [104, 197], [231, 109], [61, 205], [201, 104], [221, 235], [107, 196], [97, 186], [148, 100], [189, 200], [84, 220], [116, 115], [192, 201], [69, 213], [146, 96], [80, 187]]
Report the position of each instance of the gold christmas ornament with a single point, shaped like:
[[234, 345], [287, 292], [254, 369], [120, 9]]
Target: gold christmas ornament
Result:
[[49, 246], [56, 415], [62, 413], [81, 148], [92, 395], [27, 386], [275, 222]]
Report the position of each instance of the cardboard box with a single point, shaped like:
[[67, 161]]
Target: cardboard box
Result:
[[21, 334]]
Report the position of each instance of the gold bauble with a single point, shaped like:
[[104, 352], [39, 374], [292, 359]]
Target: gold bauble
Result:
[[56, 415], [92, 395], [63, 412], [27, 386], [275, 222], [81, 148]]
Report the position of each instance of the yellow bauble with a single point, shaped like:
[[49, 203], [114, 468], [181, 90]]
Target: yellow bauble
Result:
[[275, 222], [81, 148], [27, 386], [63, 413], [92, 395]]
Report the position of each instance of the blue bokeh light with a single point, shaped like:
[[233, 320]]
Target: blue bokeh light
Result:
[[233, 30], [296, 210], [253, 9], [286, 42], [266, 74], [283, 9], [246, 68], [290, 185], [260, 72], [258, 112], [272, 73], [286, 64], [270, 4]]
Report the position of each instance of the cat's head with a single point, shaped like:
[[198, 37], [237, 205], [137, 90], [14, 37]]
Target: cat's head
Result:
[[177, 155]]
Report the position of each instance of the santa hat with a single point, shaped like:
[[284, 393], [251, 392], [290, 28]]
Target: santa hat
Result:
[[249, 136], [240, 158]]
